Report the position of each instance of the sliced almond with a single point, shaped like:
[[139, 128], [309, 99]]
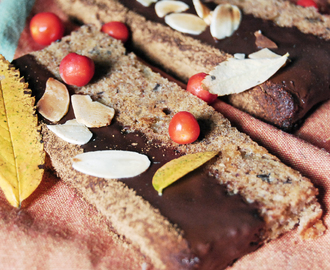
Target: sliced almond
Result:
[[111, 164], [234, 76], [146, 3], [239, 56], [165, 7], [263, 53], [203, 11], [72, 131], [264, 42], [54, 104], [91, 113], [226, 19], [186, 23]]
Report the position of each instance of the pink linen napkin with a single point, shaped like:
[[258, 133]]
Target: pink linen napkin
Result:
[[56, 229]]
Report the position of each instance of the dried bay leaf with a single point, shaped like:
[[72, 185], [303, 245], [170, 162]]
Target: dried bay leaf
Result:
[[179, 167], [22, 156], [235, 76], [263, 53]]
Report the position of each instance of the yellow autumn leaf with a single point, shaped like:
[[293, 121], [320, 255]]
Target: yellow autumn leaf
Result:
[[21, 151], [179, 167]]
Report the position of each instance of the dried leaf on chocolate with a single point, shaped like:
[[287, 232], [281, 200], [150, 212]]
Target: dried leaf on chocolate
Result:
[[22, 156], [179, 167], [235, 76], [111, 164], [264, 53]]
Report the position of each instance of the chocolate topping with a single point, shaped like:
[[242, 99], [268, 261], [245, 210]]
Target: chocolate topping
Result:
[[306, 76], [219, 227]]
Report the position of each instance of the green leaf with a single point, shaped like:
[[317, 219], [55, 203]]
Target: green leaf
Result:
[[22, 156], [179, 167]]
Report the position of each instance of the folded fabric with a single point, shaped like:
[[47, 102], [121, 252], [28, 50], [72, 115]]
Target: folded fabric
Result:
[[57, 229], [13, 15]]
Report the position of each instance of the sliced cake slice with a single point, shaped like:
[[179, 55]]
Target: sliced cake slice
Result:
[[227, 208], [283, 100]]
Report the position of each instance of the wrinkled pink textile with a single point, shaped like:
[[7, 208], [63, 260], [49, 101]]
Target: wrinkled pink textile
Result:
[[56, 229]]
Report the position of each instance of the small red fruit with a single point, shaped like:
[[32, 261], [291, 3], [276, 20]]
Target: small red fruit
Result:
[[307, 3], [194, 86], [46, 27], [117, 30], [184, 128], [77, 69]]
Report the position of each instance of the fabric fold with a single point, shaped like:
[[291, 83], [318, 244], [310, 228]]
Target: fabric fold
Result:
[[13, 16]]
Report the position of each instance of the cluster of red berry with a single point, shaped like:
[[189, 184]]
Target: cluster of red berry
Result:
[[47, 27]]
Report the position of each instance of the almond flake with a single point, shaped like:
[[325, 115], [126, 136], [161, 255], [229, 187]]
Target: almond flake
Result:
[[146, 3], [165, 7], [111, 164], [72, 131], [239, 56], [264, 42], [203, 11], [54, 103], [264, 53], [234, 76], [91, 113], [186, 23], [226, 19]]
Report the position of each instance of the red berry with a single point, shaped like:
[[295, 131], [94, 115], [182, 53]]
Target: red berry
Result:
[[77, 69], [46, 27], [184, 128], [194, 86], [307, 3], [117, 30]]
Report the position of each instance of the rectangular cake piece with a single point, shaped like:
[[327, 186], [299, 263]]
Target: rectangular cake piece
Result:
[[210, 218], [283, 100]]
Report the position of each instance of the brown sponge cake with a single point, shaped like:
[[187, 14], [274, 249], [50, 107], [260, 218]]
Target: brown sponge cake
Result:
[[270, 199], [283, 100]]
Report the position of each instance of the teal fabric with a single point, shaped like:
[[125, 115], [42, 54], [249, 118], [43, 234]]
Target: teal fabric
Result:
[[13, 14]]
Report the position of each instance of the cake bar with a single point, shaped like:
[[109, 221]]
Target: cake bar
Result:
[[283, 101], [210, 218]]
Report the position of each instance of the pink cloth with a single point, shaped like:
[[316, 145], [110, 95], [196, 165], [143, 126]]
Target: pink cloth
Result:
[[56, 229]]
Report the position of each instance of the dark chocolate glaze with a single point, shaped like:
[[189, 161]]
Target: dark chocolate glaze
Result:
[[306, 76], [219, 227]]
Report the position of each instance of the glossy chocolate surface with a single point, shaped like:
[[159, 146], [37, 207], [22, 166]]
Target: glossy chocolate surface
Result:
[[307, 74], [220, 228]]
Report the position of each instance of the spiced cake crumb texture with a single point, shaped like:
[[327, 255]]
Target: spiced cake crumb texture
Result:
[[286, 14], [145, 102], [183, 56]]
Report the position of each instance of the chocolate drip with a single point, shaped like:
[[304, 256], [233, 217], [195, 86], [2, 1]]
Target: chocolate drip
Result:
[[219, 227], [306, 76]]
